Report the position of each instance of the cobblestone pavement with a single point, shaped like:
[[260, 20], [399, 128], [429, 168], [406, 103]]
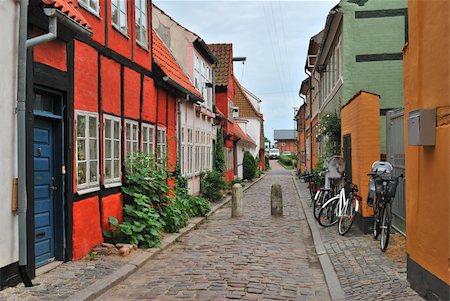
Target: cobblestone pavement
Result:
[[63, 281], [249, 258], [364, 271]]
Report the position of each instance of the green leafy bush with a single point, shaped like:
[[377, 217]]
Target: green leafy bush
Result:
[[212, 184], [286, 160], [141, 224], [175, 215], [219, 156], [249, 166], [198, 206], [266, 163]]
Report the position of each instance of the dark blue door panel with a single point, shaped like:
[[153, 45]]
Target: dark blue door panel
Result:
[[43, 201]]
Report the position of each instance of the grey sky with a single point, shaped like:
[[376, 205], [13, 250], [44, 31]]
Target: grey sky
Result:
[[273, 35]]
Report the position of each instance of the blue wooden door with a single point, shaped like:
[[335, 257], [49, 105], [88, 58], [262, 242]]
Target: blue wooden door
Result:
[[43, 192]]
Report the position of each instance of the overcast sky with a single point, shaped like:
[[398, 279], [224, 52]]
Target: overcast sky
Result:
[[273, 35]]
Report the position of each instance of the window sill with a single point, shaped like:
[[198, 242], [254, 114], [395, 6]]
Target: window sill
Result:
[[142, 45], [122, 32], [113, 185], [87, 190]]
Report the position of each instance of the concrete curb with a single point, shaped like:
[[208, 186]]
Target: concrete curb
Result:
[[333, 283], [102, 285]]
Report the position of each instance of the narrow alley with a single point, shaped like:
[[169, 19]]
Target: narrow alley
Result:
[[253, 257]]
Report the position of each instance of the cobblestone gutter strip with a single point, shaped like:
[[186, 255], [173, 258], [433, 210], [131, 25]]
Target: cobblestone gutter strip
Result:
[[100, 286], [334, 286]]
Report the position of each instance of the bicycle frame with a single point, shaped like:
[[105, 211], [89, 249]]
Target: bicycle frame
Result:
[[341, 208]]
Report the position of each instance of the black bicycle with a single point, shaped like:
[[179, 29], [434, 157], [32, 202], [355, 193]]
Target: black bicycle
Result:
[[385, 188]]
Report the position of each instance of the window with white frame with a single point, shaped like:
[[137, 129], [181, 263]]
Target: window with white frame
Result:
[[183, 151], [229, 162], [91, 5], [148, 139], [141, 23], [203, 78], [190, 161], [131, 138], [161, 143], [197, 151], [119, 15], [87, 150], [112, 140]]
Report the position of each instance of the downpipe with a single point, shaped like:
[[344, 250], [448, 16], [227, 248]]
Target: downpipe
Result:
[[24, 44]]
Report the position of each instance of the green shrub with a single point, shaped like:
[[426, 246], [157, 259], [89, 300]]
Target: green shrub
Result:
[[249, 166], [141, 224], [212, 184], [175, 215], [286, 160], [219, 156], [235, 181], [198, 206], [266, 163]]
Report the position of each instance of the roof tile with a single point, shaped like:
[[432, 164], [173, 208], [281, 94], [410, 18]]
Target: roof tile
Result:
[[223, 53], [70, 9]]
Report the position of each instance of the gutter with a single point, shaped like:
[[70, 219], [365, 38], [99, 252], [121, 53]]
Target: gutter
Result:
[[25, 44], [189, 95]]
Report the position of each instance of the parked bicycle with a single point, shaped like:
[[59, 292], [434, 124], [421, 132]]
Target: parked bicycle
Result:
[[385, 189], [341, 208]]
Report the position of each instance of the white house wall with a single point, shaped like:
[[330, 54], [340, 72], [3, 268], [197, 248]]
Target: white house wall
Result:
[[8, 159], [190, 119], [252, 127]]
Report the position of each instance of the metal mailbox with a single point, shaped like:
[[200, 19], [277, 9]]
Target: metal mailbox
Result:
[[422, 127]]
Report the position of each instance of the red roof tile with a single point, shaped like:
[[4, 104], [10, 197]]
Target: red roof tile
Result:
[[168, 64], [223, 53], [70, 9]]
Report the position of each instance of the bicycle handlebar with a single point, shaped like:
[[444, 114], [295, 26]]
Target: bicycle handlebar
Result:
[[379, 176]]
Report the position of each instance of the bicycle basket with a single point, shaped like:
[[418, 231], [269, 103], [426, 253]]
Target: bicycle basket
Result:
[[392, 188]]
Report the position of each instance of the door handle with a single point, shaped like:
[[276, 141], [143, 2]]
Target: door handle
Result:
[[53, 188]]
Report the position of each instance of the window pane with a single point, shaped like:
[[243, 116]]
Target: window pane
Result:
[[94, 4], [116, 130], [145, 135], [135, 147], [116, 149], [123, 5], [81, 149], [93, 171], [107, 128], [128, 131], [108, 169], [92, 149], [116, 168], [123, 21], [81, 125], [108, 149], [115, 15], [81, 173], [128, 148], [92, 127]]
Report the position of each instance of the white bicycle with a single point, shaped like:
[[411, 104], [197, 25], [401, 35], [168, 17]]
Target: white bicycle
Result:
[[341, 209]]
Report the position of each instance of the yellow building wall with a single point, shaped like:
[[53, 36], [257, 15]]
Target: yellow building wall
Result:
[[360, 118], [427, 82]]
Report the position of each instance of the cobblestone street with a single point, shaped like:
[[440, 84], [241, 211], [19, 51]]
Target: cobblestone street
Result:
[[253, 257], [364, 272]]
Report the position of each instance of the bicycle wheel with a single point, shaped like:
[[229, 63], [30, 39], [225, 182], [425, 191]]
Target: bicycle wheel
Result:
[[376, 220], [346, 221], [385, 227], [322, 198], [327, 214]]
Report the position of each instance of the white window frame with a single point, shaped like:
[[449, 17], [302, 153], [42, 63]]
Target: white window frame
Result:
[[117, 4], [148, 147], [141, 10], [161, 142], [112, 181], [190, 145], [86, 4], [202, 77], [134, 139], [88, 186]]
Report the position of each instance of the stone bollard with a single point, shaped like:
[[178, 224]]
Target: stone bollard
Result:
[[276, 200], [236, 200]]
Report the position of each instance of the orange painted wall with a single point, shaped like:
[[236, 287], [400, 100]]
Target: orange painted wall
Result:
[[360, 118], [86, 78], [132, 92], [110, 86], [171, 134], [149, 101], [111, 205], [427, 82], [57, 48], [87, 232], [314, 144]]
